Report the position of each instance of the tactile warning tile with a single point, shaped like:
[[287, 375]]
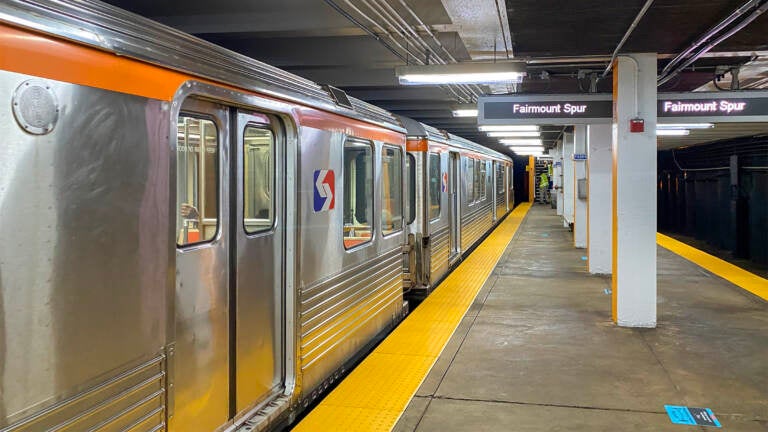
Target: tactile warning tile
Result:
[[375, 394], [733, 274]]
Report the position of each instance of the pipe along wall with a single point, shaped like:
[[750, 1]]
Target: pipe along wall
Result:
[[718, 193]]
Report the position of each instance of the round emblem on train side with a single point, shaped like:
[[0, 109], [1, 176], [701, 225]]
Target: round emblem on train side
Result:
[[35, 107]]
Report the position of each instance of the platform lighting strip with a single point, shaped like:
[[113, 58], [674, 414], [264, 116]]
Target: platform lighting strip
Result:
[[464, 113], [508, 128], [520, 150], [514, 134], [522, 142], [684, 126], [461, 73], [672, 132]]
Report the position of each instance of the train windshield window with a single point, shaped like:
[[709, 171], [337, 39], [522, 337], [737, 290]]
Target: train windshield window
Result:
[[392, 190], [358, 193], [410, 173], [434, 186], [197, 180], [258, 178]]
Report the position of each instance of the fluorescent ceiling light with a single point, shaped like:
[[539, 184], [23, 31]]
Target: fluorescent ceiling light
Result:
[[685, 125], [508, 128], [672, 132], [465, 113], [522, 141], [512, 134], [461, 73], [517, 149]]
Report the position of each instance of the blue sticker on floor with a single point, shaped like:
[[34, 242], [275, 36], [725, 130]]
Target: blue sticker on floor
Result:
[[584, 258], [691, 416], [545, 235], [607, 291]]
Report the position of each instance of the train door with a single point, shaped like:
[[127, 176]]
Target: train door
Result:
[[228, 347], [453, 175], [199, 367], [258, 260]]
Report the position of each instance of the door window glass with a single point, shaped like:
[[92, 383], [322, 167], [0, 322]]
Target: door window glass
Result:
[[434, 186], [410, 173], [197, 180], [258, 178], [358, 190], [392, 190], [470, 171]]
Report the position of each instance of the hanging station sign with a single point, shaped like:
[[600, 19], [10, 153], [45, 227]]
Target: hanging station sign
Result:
[[573, 109], [715, 107], [565, 109]]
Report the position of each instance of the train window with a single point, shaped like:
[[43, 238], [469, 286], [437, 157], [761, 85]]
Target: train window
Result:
[[258, 178], [483, 180], [499, 179], [392, 190], [434, 186], [410, 173], [358, 191], [197, 180], [478, 181], [470, 171]]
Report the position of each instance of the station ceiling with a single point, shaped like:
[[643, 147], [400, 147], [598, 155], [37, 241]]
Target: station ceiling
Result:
[[356, 44]]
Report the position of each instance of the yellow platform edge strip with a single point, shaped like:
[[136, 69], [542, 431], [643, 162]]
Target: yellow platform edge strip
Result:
[[377, 391], [736, 275]]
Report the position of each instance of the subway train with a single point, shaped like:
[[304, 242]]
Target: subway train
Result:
[[197, 241]]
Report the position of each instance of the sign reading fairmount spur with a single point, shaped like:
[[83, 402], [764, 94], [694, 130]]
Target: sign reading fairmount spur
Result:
[[571, 109]]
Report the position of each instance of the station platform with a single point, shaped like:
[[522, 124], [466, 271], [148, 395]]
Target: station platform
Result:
[[536, 350]]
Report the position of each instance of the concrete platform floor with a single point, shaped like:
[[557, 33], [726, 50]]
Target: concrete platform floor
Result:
[[537, 351]]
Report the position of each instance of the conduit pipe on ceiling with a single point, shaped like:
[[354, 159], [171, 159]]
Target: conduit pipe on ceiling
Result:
[[384, 31], [476, 89], [394, 20], [406, 29], [629, 31], [745, 22], [362, 26], [708, 34]]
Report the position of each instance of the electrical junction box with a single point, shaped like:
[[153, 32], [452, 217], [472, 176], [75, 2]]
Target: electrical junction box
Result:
[[637, 125]]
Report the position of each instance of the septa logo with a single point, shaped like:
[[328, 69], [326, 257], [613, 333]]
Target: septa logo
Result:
[[325, 190]]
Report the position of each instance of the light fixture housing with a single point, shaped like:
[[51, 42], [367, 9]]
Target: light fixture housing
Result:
[[461, 73], [673, 126], [672, 132], [514, 134], [522, 142], [508, 128]]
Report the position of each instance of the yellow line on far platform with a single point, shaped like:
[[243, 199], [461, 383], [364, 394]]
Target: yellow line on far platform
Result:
[[736, 275], [377, 391]]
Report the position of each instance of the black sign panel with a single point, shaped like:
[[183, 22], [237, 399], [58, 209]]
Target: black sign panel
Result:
[[713, 107], [598, 108], [565, 109]]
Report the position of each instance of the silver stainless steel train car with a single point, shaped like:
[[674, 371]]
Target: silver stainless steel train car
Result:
[[195, 241], [461, 190]]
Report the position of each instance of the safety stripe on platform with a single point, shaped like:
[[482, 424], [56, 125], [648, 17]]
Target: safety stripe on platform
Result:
[[736, 275], [377, 391]]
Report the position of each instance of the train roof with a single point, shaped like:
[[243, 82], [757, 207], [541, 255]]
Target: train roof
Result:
[[114, 30], [417, 129], [469, 145]]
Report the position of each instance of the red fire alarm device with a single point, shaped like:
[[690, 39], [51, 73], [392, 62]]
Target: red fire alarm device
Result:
[[637, 125]]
